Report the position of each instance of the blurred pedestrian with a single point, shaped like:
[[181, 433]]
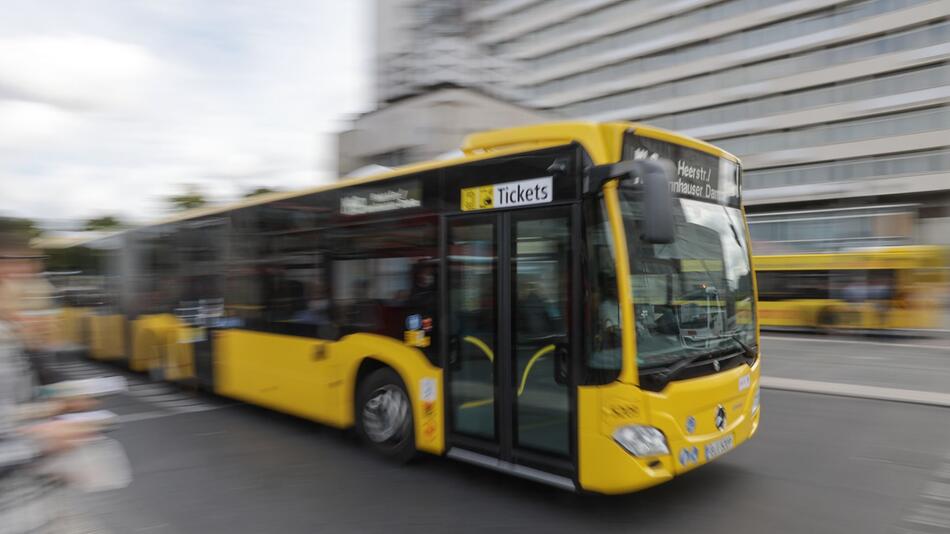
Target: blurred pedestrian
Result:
[[30, 498], [27, 300]]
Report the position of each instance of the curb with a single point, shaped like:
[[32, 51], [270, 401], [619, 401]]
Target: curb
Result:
[[856, 391]]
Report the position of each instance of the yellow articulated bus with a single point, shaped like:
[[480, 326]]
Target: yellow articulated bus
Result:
[[572, 303], [881, 289]]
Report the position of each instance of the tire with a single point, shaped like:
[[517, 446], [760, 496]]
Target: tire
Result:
[[827, 321], [384, 415]]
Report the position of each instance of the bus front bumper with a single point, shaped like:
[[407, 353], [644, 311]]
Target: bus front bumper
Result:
[[605, 466]]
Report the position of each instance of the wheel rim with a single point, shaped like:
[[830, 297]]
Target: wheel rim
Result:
[[386, 414]]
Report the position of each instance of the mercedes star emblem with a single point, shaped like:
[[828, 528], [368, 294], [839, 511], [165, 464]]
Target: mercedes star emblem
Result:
[[720, 417]]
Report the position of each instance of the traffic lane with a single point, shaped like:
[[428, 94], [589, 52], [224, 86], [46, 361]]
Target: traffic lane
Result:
[[818, 464], [921, 365]]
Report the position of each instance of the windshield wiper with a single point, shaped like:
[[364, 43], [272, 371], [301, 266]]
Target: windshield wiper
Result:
[[668, 373], [749, 351]]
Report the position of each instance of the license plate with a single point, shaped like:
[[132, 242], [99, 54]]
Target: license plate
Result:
[[718, 447]]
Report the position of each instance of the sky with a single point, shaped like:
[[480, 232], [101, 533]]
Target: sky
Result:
[[108, 107]]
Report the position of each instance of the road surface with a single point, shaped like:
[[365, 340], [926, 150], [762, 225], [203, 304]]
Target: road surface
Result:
[[820, 463]]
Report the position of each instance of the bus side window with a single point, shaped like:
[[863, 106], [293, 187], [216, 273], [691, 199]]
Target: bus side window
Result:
[[384, 280], [277, 272], [792, 285], [603, 354]]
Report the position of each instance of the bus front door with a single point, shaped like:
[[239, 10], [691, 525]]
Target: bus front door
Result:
[[511, 318]]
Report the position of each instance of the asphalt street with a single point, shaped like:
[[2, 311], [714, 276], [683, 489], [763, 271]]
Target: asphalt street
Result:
[[820, 463], [921, 364]]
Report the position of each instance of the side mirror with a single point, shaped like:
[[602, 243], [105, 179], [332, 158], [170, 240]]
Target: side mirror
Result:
[[654, 177], [658, 223]]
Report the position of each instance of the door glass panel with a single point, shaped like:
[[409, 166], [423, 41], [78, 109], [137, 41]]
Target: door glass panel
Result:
[[541, 281], [472, 281]]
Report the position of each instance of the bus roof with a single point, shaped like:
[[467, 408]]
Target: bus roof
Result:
[[596, 138]]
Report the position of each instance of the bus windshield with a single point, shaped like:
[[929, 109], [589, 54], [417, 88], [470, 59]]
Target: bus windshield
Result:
[[693, 295]]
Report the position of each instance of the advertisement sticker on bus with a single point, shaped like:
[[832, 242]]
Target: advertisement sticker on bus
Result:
[[744, 382], [428, 389]]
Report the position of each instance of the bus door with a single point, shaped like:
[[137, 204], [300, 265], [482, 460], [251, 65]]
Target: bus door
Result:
[[511, 323]]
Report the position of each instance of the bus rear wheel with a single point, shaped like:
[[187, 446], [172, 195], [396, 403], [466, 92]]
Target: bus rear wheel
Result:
[[827, 322], [384, 415]]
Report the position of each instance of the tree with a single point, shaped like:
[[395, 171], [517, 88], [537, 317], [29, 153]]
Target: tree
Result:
[[104, 223], [24, 226], [259, 191], [192, 198]]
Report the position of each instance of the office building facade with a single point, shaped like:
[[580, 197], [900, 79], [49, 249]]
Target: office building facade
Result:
[[838, 108]]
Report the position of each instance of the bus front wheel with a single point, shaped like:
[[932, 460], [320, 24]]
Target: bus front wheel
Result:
[[384, 415], [827, 322]]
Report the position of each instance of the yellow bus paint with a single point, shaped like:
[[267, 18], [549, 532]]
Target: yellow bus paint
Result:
[[71, 327], [604, 466], [628, 373], [152, 337], [316, 379], [478, 198], [107, 337]]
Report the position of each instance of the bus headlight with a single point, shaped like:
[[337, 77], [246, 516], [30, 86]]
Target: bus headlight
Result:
[[641, 440]]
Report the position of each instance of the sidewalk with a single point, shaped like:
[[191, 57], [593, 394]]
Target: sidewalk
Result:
[[913, 365]]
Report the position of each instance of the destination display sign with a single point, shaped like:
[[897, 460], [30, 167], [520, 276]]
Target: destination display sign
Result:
[[699, 175], [380, 199]]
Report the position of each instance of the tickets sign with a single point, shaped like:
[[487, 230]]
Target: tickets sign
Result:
[[508, 194]]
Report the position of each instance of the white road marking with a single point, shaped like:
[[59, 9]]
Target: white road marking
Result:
[[198, 408], [141, 416], [853, 390], [931, 513], [162, 397], [150, 390], [166, 398], [856, 342], [939, 491]]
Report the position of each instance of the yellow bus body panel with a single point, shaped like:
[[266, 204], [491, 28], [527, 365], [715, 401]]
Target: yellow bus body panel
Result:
[[807, 313], [603, 466], [71, 330], [602, 141], [904, 257], [106, 337], [316, 379], [151, 335], [179, 363]]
